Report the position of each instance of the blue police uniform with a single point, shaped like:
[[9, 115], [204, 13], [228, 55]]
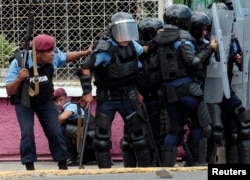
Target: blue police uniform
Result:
[[115, 70], [45, 110]]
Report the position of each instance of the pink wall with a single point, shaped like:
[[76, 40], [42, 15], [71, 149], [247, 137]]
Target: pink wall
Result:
[[10, 135]]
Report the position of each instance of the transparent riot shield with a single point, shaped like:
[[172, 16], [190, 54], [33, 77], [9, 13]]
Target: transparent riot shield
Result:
[[240, 81], [217, 82]]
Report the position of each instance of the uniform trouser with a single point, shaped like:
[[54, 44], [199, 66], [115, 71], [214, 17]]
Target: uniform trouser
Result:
[[48, 117], [237, 137], [153, 109], [71, 144], [108, 106], [185, 107], [157, 125]]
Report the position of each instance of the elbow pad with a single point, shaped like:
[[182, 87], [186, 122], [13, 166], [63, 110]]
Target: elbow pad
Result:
[[85, 83], [187, 54], [89, 61], [205, 54]]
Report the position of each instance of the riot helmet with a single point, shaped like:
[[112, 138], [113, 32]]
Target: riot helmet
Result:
[[228, 2], [148, 28], [220, 5], [123, 27], [200, 21], [178, 15]]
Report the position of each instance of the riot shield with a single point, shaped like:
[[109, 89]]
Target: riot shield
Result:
[[217, 82], [240, 81]]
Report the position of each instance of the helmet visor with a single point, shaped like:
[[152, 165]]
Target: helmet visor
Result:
[[125, 30]]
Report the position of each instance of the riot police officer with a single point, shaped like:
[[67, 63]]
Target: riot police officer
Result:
[[200, 23], [184, 98], [149, 83], [115, 66], [236, 119]]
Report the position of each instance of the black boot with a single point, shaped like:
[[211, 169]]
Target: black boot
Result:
[[143, 158], [231, 153], [62, 165], [211, 152], [244, 151], [30, 166], [103, 159], [129, 159], [169, 154], [128, 154]]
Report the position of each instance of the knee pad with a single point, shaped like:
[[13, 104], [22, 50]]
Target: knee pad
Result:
[[102, 126], [203, 114], [215, 114], [136, 127], [217, 124], [243, 117], [217, 136], [124, 145], [102, 145], [139, 145], [244, 133], [206, 131], [244, 121]]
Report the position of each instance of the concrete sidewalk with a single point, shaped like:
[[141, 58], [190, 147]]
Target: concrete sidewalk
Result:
[[15, 170], [42, 165]]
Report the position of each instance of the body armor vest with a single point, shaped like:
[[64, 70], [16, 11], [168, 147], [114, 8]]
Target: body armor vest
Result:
[[122, 69], [171, 63], [149, 78], [45, 84]]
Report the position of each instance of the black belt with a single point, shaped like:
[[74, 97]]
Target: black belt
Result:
[[115, 93]]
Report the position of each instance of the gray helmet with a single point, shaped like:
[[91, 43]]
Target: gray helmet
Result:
[[178, 15], [123, 27], [220, 5], [148, 28]]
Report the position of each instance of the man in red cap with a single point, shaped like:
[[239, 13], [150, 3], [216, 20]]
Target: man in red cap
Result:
[[68, 117], [48, 59]]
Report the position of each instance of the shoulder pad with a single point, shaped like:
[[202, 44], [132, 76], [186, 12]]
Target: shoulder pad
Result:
[[168, 35], [102, 45], [186, 35]]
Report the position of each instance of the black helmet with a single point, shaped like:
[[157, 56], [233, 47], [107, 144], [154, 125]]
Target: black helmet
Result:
[[123, 27], [178, 15], [199, 22], [148, 28]]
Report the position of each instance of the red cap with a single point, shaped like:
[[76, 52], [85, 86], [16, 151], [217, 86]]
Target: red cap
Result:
[[44, 42], [59, 92]]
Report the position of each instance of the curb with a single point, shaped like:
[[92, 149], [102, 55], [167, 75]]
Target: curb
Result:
[[73, 172]]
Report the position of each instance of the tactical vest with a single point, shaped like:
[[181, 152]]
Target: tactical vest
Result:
[[122, 69], [46, 88], [149, 78], [171, 63]]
